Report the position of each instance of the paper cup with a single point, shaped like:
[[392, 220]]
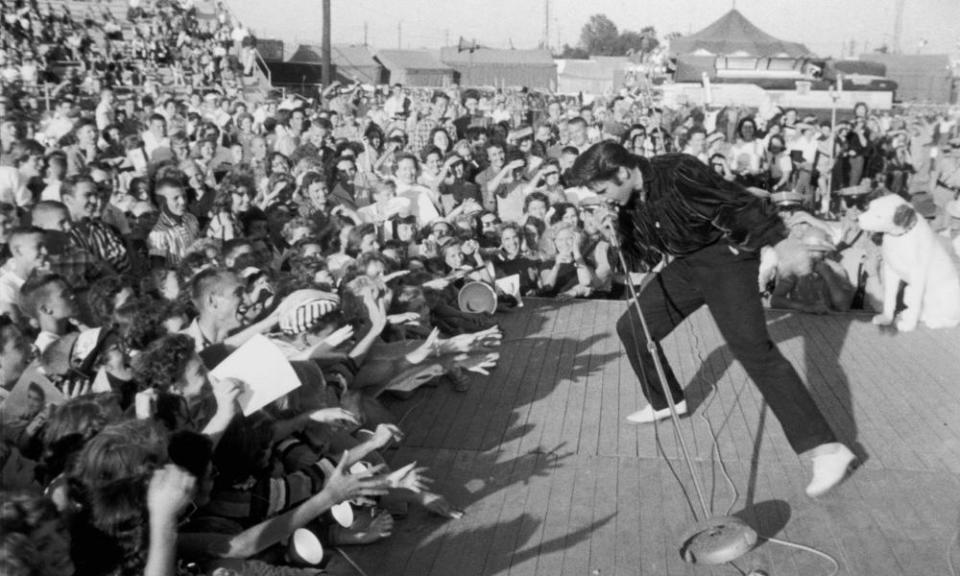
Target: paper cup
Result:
[[306, 548], [343, 514]]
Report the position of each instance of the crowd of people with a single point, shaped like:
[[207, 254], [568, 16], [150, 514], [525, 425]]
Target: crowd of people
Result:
[[148, 230]]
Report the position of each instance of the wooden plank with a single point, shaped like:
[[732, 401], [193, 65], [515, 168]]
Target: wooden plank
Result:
[[505, 421], [593, 399], [607, 507], [556, 518], [464, 551], [653, 539], [610, 412], [565, 379], [548, 388], [531, 512], [507, 530], [576, 555], [865, 369], [498, 384], [422, 558], [630, 536]]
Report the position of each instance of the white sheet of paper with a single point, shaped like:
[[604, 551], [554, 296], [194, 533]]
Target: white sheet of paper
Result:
[[264, 371], [510, 285]]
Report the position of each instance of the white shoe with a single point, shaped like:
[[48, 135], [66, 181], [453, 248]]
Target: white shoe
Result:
[[830, 464], [648, 414]]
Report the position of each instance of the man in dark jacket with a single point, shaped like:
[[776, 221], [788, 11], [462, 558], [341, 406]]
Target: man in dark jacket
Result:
[[705, 234]]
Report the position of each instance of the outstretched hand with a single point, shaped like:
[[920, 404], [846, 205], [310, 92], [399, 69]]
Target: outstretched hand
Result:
[[342, 486], [410, 477], [335, 415]]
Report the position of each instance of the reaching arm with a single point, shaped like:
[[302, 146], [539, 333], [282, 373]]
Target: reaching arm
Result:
[[257, 538], [261, 327], [495, 182], [378, 317], [168, 494]]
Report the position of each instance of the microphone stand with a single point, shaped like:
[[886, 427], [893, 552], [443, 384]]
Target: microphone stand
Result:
[[713, 539]]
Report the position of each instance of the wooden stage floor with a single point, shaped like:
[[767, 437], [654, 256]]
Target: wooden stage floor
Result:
[[555, 482]]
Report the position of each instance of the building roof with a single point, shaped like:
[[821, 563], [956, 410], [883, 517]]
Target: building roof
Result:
[[932, 64], [340, 55], [412, 60], [733, 35], [593, 69], [481, 56]]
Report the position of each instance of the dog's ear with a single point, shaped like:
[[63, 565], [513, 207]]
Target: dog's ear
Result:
[[905, 216]]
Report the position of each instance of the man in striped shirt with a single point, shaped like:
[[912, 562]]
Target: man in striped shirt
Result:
[[176, 230], [82, 197]]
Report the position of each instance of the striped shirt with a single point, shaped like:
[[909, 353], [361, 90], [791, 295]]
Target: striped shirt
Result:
[[171, 239], [103, 242]]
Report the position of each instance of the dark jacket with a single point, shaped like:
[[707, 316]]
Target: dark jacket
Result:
[[688, 207]]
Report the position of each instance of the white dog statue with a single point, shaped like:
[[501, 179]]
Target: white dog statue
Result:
[[914, 254]]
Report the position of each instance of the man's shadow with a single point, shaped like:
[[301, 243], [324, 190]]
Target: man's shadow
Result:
[[823, 339]]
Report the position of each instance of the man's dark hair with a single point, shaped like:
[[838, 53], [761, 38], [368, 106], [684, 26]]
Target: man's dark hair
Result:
[[24, 150], [24, 231], [427, 151], [601, 162], [577, 120], [69, 186], [469, 94], [495, 144], [167, 182], [437, 95], [231, 246], [160, 117], [407, 156], [36, 290], [534, 197], [203, 283], [475, 132], [84, 122]]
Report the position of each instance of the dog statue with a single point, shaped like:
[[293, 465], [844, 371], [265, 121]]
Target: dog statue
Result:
[[913, 253]]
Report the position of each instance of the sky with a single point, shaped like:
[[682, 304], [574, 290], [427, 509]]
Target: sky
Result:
[[823, 25]]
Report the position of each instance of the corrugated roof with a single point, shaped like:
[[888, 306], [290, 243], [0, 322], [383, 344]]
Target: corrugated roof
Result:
[[734, 34], [454, 57], [411, 60]]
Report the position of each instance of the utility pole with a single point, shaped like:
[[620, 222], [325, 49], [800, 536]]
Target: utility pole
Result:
[[546, 24], [446, 37], [897, 27], [327, 72], [364, 33], [399, 35]]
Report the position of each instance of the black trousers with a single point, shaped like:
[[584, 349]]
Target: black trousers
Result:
[[727, 284]]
